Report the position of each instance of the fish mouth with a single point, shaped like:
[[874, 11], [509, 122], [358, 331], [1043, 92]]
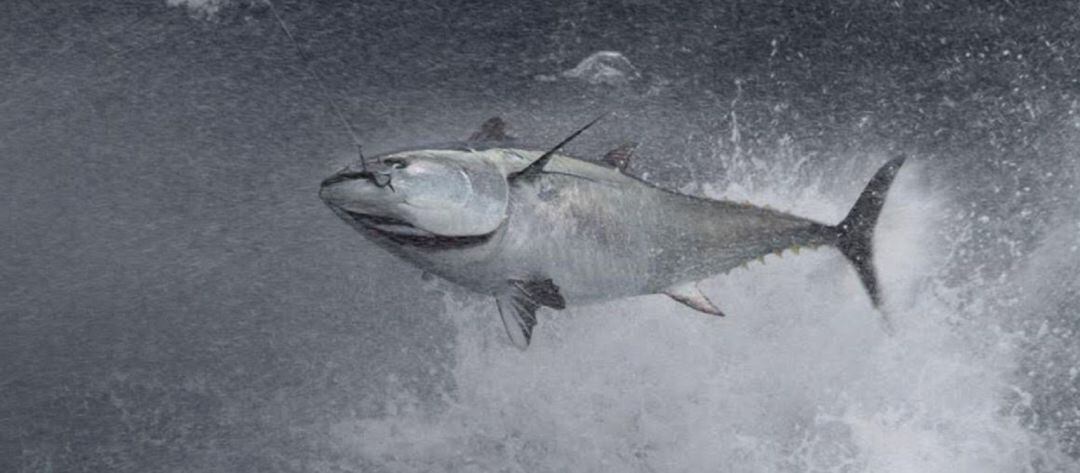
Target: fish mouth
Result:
[[403, 233], [384, 224]]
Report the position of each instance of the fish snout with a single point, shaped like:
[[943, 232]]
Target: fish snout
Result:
[[343, 187], [344, 176], [356, 189]]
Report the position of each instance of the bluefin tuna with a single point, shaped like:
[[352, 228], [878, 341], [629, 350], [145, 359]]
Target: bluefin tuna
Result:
[[534, 228]]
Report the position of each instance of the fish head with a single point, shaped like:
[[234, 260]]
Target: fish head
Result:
[[423, 193]]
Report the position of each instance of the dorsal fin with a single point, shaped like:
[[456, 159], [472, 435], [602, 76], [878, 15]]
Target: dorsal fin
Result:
[[620, 157], [493, 130], [536, 167]]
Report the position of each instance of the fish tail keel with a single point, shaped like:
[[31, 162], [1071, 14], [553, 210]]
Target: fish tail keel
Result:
[[854, 236]]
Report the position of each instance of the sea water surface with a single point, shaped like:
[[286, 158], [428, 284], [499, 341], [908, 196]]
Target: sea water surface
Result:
[[174, 297]]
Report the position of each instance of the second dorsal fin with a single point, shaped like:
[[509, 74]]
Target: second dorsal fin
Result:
[[620, 157], [493, 130]]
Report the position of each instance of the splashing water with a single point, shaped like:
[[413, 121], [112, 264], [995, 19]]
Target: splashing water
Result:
[[203, 8], [799, 377]]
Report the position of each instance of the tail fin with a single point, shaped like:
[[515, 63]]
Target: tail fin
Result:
[[855, 234]]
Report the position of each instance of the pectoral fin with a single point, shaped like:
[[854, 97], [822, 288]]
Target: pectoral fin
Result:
[[543, 292], [536, 167], [689, 295]]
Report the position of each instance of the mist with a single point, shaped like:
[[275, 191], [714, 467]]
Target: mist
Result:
[[174, 296]]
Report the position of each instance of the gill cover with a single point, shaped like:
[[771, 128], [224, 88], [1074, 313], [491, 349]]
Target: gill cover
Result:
[[453, 197]]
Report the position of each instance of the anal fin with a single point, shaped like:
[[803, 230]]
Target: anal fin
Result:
[[689, 295]]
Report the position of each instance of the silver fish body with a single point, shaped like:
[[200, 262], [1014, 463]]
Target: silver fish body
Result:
[[576, 232]]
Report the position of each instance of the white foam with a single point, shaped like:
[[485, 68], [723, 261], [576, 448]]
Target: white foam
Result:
[[604, 67], [206, 8]]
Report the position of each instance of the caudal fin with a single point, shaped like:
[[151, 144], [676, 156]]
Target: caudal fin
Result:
[[855, 234]]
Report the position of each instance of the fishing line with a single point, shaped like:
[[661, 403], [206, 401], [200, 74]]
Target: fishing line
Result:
[[322, 84]]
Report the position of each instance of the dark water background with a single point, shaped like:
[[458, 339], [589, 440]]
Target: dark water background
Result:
[[174, 297]]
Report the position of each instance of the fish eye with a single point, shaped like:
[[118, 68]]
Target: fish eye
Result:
[[396, 163]]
